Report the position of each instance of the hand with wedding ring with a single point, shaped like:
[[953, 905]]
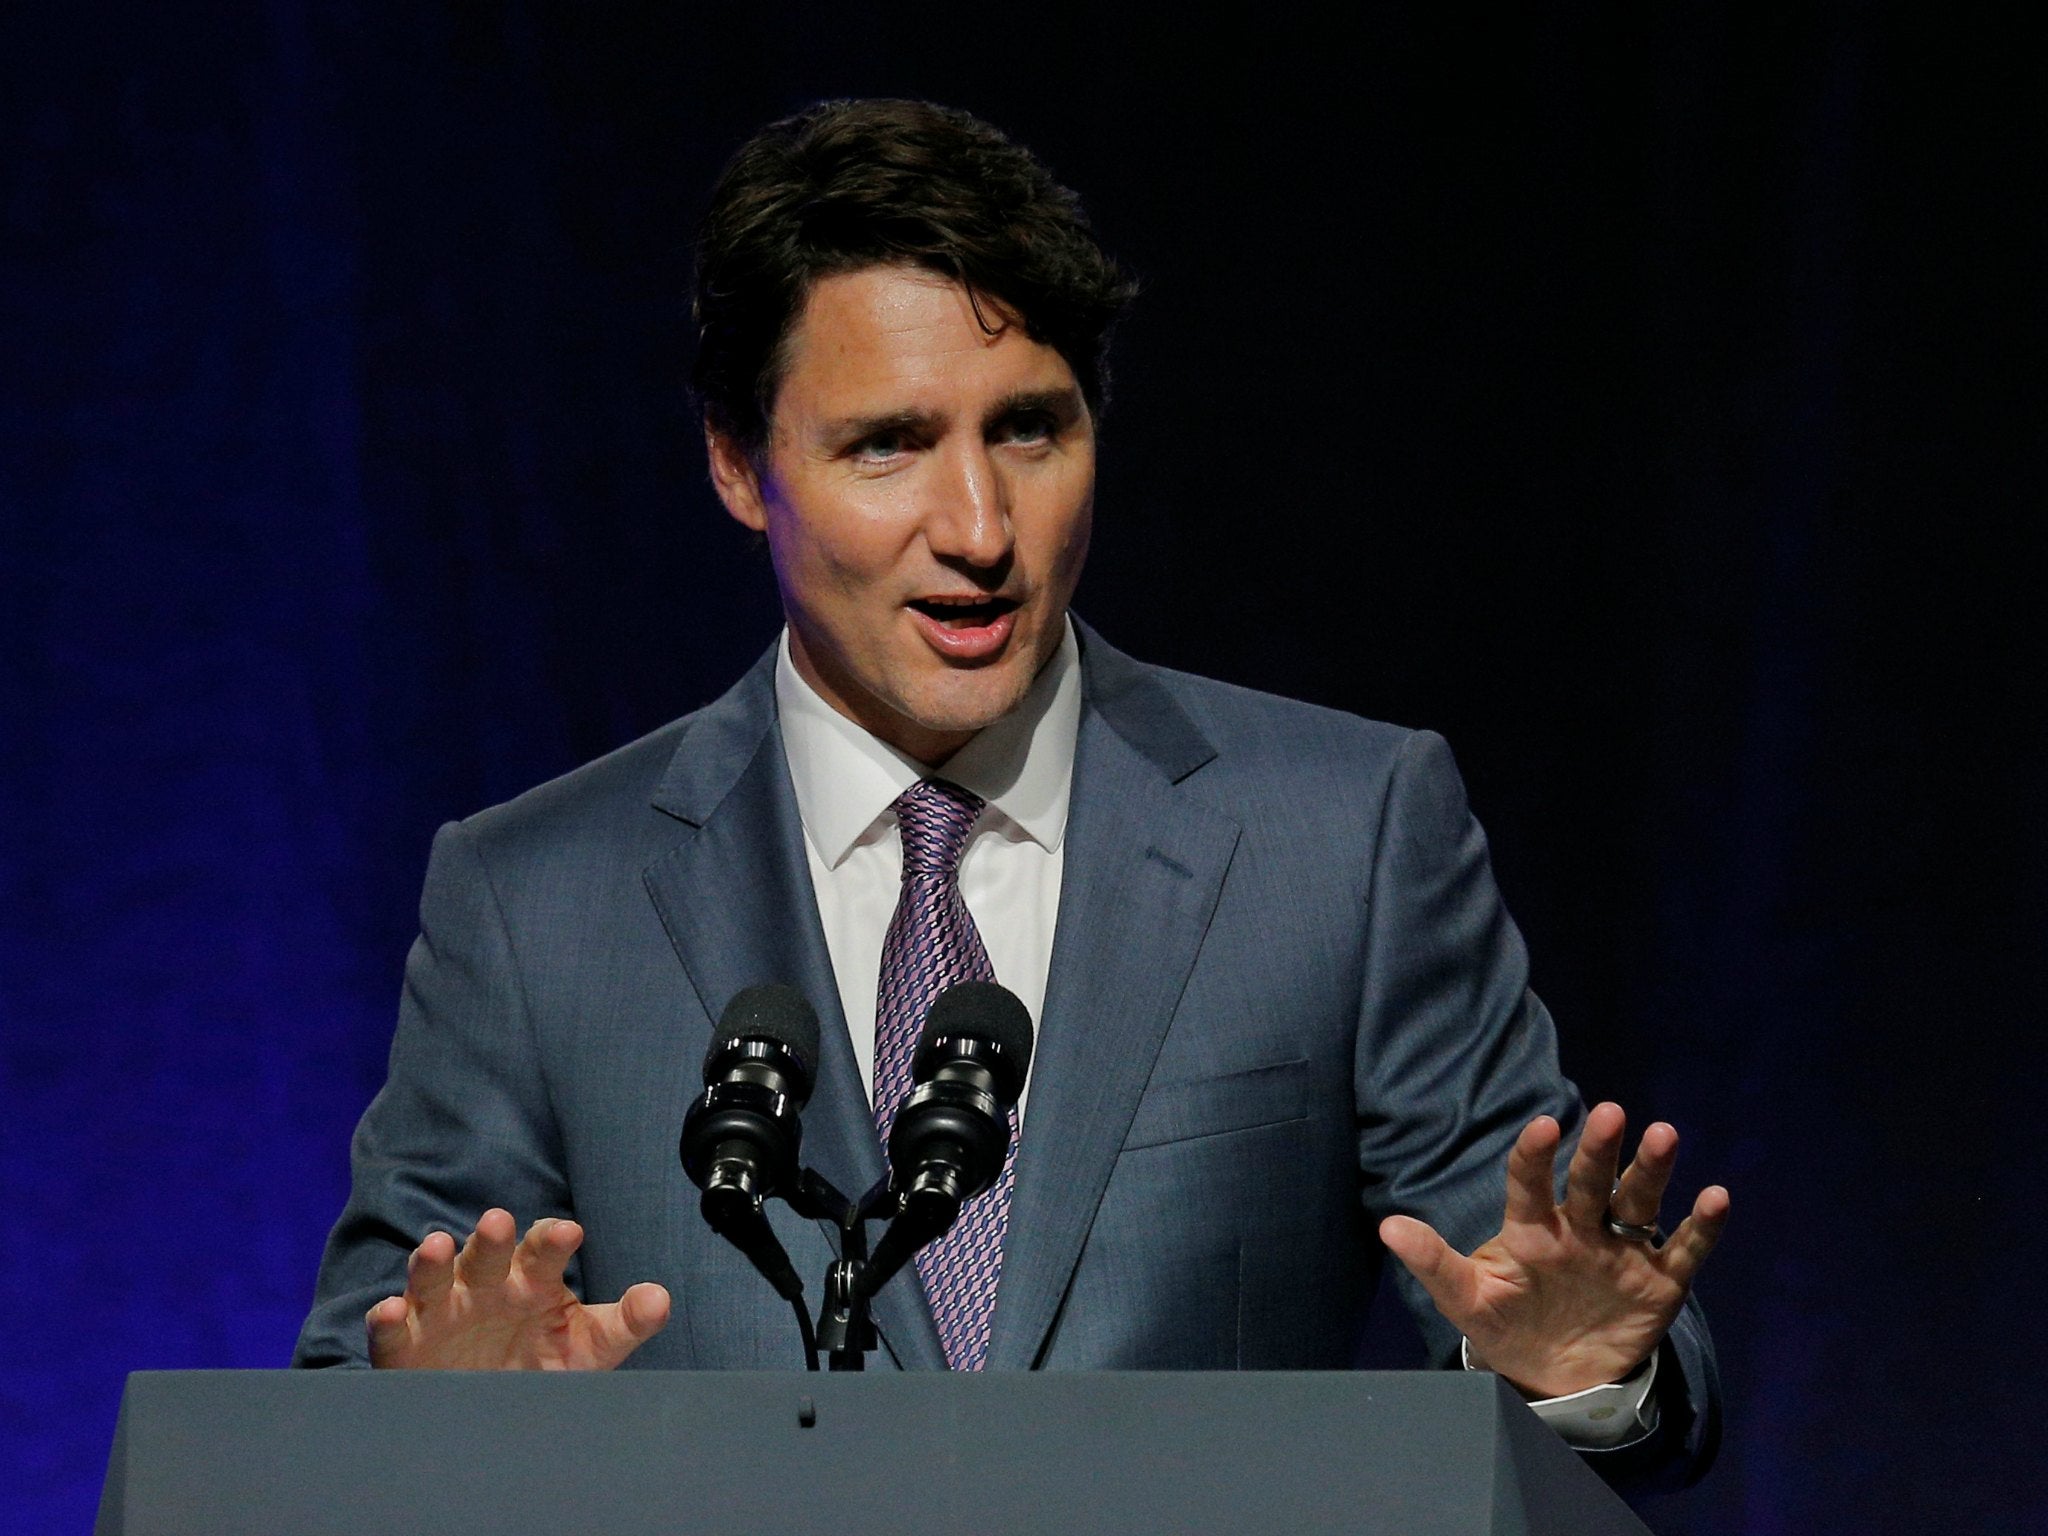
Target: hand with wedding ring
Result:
[[1573, 1295]]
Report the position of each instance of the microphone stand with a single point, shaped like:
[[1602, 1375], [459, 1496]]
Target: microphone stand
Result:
[[845, 1331], [918, 1214]]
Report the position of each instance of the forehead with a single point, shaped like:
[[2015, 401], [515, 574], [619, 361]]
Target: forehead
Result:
[[901, 338]]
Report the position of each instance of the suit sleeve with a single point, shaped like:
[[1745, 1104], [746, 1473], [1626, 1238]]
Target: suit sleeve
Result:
[[463, 1121], [1455, 1056]]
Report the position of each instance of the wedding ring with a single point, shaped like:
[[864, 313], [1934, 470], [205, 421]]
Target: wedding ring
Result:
[[1630, 1231]]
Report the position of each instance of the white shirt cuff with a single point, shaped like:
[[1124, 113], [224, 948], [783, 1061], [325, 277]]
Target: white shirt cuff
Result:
[[1598, 1418]]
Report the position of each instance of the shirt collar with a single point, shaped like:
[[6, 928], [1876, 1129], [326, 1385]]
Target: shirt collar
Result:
[[846, 779]]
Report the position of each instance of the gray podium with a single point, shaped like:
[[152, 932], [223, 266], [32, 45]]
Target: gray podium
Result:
[[286, 1453]]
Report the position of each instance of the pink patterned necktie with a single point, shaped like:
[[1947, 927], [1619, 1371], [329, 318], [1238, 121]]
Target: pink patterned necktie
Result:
[[933, 944]]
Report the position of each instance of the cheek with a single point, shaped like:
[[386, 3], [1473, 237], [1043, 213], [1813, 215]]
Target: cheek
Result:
[[840, 541], [1072, 550], [1084, 528]]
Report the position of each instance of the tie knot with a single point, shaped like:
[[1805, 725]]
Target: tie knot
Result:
[[935, 815]]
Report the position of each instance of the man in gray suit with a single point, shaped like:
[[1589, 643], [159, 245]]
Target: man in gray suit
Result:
[[1283, 1019]]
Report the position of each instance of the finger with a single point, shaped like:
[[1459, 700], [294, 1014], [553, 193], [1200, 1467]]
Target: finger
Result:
[[486, 1258], [1648, 1175], [628, 1323], [430, 1271], [1451, 1279], [1532, 1172], [644, 1310], [386, 1325], [1688, 1247], [1589, 1181], [543, 1255]]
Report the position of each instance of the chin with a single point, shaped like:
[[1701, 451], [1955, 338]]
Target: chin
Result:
[[963, 711]]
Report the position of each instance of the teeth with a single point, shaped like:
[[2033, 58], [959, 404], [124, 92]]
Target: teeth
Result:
[[963, 612]]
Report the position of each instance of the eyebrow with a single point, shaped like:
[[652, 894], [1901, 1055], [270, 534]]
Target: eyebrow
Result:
[[854, 428], [1063, 404]]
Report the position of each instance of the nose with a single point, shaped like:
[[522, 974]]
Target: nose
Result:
[[968, 517]]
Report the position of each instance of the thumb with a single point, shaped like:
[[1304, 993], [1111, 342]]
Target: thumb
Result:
[[627, 1323], [1441, 1270], [644, 1310]]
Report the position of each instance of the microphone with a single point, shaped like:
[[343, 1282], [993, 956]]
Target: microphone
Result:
[[741, 1137], [953, 1130]]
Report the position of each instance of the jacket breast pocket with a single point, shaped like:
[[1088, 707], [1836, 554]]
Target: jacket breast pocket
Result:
[[1214, 1106]]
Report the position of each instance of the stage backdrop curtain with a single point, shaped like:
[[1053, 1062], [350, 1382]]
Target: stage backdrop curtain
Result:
[[1643, 398]]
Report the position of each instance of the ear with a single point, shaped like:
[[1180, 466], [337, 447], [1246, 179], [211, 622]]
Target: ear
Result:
[[735, 479]]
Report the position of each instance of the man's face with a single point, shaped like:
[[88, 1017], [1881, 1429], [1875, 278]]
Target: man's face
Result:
[[926, 491]]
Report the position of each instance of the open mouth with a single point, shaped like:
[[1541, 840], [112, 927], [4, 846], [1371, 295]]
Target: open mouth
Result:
[[964, 612]]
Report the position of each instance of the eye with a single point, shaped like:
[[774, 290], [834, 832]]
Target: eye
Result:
[[1027, 427], [880, 447]]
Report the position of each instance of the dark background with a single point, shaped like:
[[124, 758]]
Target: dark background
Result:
[[1638, 395]]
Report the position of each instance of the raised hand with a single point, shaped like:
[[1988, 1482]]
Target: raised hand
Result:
[[501, 1306], [1555, 1302]]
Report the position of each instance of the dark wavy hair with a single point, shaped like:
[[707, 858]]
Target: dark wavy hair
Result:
[[853, 184]]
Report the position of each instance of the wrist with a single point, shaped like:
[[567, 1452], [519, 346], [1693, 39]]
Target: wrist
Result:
[[1598, 1417], [1472, 1360]]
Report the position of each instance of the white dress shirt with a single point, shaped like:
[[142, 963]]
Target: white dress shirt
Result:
[[1023, 769], [846, 780]]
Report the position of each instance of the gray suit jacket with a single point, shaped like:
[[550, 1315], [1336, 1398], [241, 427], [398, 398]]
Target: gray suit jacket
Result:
[[1285, 1000]]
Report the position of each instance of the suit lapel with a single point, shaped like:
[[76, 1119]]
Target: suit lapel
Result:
[[1144, 867], [735, 897]]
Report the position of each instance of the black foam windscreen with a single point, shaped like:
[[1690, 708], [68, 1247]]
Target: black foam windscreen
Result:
[[982, 1010], [773, 1011]]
